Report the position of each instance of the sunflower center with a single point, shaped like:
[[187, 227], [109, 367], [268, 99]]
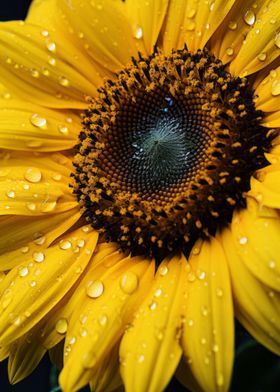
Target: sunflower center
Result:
[[167, 152]]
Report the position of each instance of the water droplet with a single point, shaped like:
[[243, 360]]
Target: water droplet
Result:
[[52, 61], [243, 240], [262, 56], [31, 206], [23, 271], [229, 51], [232, 25], [129, 282], [38, 257], [153, 305], [65, 245], [89, 360], [56, 176], [191, 13], [103, 320], [158, 293], [203, 341], [204, 311], [215, 348], [63, 81], [190, 26], [137, 32], [51, 46], [47, 207], [219, 292], [34, 73], [61, 326], [72, 340], [40, 240], [140, 358], [33, 174], [38, 121], [191, 276], [272, 264], [11, 194], [64, 130], [95, 289], [275, 88], [33, 283], [163, 270], [201, 275], [190, 322], [81, 243], [220, 379], [249, 17], [25, 249], [277, 40]]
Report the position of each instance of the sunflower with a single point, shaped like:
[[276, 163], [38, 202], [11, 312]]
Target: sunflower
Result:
[[140, 189]]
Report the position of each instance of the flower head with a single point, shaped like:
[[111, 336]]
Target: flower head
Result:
[[139, 182]]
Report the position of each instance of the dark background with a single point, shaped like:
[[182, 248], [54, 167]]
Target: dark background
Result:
[[255, 370]]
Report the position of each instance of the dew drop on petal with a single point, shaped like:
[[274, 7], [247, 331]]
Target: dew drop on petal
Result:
[[45, 33], [158, 293], [137, 32], [163, 270], [153, 305], [51, 46], [63, 81], [64, 245], [220, 379], [38, 257], [229, 51], [232, 25], [11, 194], [24, 249], [140, 358], [219, 292], [38, 121], [52, 61], [275, 88], [61, 326], [63, 130], [56, 176], [95, 289], [243, 240], [262, 56], [103, 320], [23, 272], [249, 17], [31, 206], [33, 174], [272, 264], [129, 282]]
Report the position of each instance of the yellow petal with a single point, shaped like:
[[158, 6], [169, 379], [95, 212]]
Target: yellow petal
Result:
[[39, 68], [39, 284], [262, 44], [186, 378], [146, 19], [25, 355], [102, 29], [107, 377], [150, 349], [42, 13], [29, 186], [272, 120], [56, 325], [23, 236], [268, 92], [208, 336], [193, 22], [108, 304], [257, 306], [30, 127], [256, 240], [266, 187], [4, 353]]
